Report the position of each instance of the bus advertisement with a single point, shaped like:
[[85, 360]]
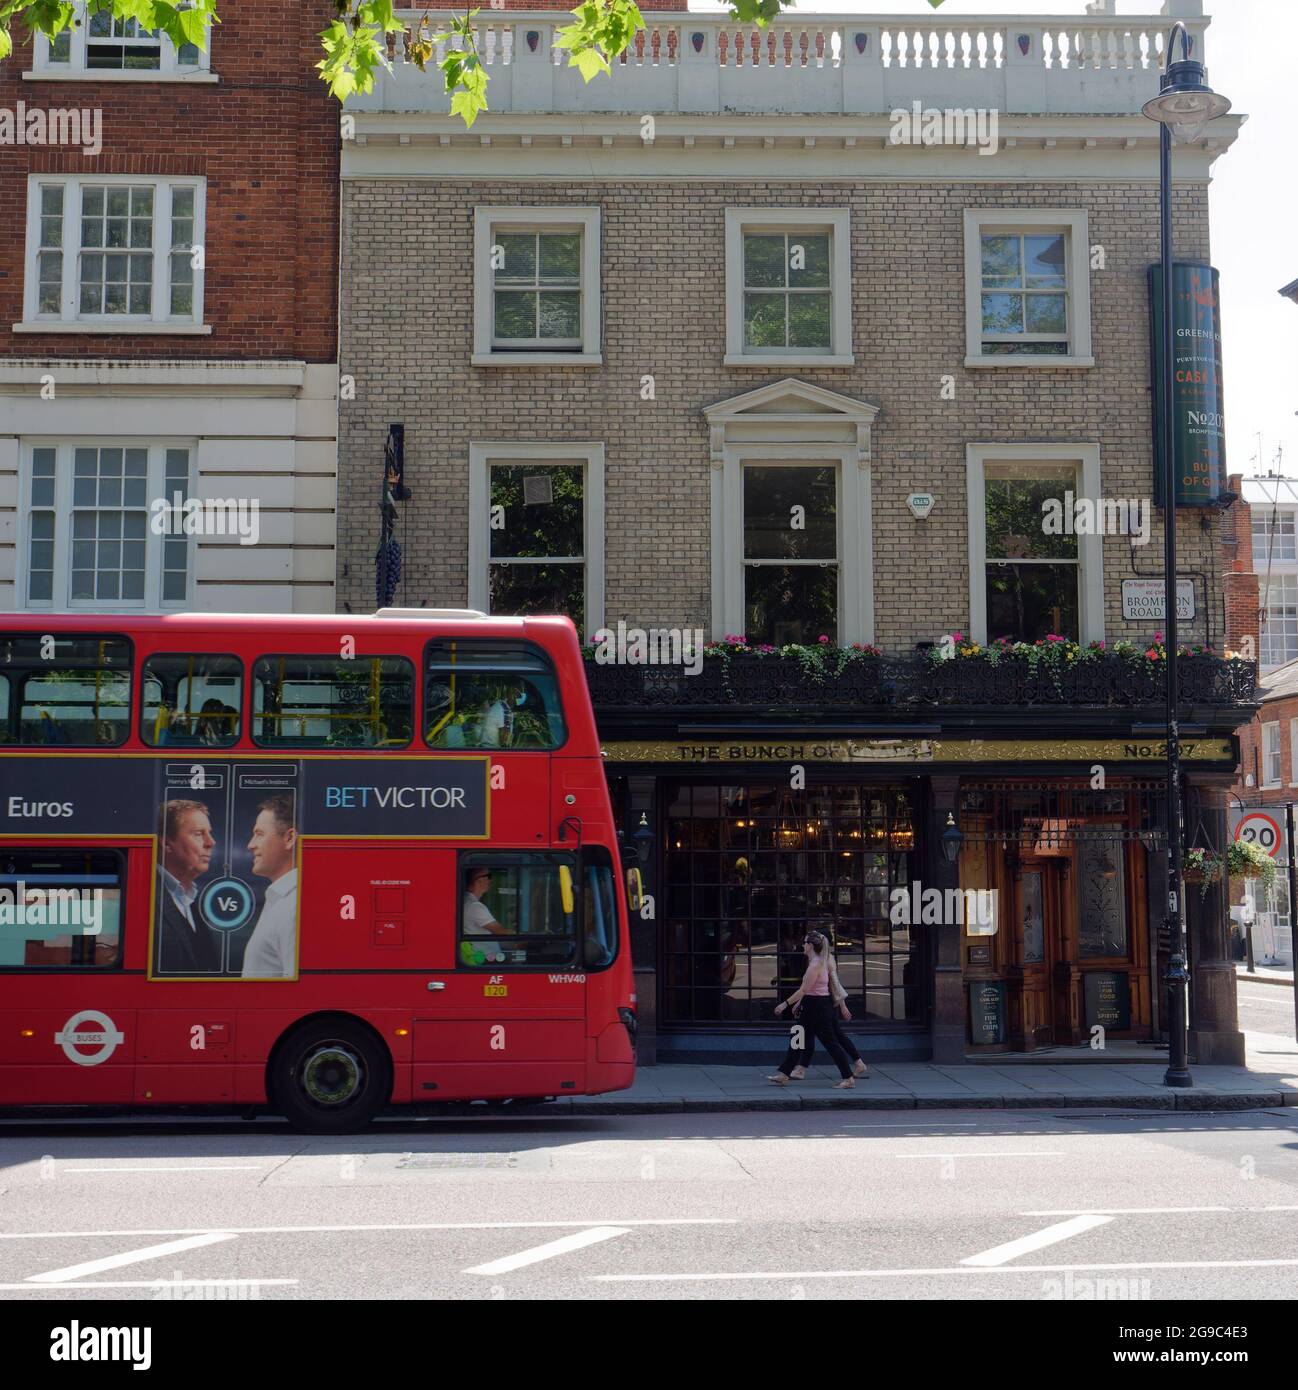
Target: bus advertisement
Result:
[[319, 866]]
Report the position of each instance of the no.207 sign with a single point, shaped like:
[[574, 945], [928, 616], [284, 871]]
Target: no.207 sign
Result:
[[1258, 828]]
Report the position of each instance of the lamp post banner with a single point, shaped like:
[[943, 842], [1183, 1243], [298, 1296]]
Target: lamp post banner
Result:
[[1198, 397]]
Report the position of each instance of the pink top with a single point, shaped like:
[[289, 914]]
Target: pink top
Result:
[[816, 981]]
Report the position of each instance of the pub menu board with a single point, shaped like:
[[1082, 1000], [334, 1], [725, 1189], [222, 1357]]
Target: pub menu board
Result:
[[987, 1012], [1108, 999]]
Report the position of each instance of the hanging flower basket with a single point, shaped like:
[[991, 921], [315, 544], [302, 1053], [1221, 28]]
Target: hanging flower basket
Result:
[[1244, 860], [1201, 866]]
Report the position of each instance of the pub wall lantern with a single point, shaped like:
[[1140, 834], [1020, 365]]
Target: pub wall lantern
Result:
[[952, 839]]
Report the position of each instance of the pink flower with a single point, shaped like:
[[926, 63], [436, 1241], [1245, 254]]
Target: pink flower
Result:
[[822, 638]]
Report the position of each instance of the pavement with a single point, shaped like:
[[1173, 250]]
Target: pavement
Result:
[[1265, 974], [1269, 1079]]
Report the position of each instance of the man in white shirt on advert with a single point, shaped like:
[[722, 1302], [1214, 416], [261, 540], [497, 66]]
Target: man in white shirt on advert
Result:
[[272, 948]]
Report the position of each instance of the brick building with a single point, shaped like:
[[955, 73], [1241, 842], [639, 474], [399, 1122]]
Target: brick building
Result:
[[1262, 601], [168, 315], [759, 366]]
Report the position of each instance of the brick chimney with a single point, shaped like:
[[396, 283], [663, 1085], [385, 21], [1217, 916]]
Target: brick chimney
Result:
[[1239, 581]]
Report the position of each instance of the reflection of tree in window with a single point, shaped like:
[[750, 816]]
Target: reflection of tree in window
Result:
[[1032, 577], [538, 546], [790, 553], [787, 292]]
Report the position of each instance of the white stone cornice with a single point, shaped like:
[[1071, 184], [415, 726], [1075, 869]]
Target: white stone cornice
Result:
[[418, 145]]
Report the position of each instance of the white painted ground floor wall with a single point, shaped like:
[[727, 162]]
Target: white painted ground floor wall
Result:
[[254, 430]]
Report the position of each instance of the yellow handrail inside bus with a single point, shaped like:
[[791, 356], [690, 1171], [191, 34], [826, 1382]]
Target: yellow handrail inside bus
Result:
[[450, 709]]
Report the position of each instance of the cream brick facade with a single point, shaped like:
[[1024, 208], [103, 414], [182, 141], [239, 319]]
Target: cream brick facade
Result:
[[407, 336]]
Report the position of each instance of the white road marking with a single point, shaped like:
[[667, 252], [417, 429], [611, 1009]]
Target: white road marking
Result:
[[918, 1124], [147, 1284], [377, 1226], [1025, 1245], [919, 1273], [1000, 1153], [1137, 1211], [185, 1168], [549, 1251], [129, 1257]]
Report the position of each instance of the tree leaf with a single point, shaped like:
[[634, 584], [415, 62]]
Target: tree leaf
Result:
[[590, 62]]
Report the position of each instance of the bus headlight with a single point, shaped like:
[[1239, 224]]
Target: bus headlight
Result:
[[628, 1018]]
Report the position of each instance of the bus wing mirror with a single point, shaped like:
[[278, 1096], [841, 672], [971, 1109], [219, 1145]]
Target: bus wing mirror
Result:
[[634, 890], [630, 856]]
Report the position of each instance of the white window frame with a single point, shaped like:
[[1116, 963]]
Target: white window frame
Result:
[[63, 509], [1279, 630], [70, 320], [1271, 775], [1090, 548], [1030, 221], [835, 221], [169, 69], [1284, 534], [852, 541], [590, 454], [1293, 752], [544, 219]]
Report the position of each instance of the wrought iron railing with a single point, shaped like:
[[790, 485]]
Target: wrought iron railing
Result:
[[916, 684]]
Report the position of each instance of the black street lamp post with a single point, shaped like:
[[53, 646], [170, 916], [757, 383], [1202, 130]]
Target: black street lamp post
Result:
[[1184, 106]]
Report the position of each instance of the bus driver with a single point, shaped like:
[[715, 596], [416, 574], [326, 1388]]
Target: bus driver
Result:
[[478, 920]]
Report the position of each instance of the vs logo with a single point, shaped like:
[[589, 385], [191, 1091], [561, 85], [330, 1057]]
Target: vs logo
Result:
[[227, 903]]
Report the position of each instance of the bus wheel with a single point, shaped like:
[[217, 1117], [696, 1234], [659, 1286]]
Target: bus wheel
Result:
[[329, 1078]]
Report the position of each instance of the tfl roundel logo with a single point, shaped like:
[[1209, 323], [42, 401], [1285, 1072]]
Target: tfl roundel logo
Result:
[[102, 1037]]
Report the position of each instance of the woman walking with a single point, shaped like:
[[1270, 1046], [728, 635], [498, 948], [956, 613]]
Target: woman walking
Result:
[[839, 1014], [817, 1014]]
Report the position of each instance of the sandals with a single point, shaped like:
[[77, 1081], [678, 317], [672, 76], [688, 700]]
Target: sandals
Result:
[[846, 1084], [779, 1079], [864, 1070]]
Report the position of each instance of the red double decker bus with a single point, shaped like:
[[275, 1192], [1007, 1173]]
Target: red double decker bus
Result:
[[320, 864]]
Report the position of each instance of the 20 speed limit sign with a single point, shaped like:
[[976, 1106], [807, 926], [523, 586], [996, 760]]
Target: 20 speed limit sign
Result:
[[1257, 828]]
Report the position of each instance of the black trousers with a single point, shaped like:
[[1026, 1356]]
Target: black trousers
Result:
[[841, 1033], [817, 1019]]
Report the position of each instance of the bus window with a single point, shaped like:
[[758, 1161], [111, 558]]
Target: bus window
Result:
[[600, 910], [191, 700], [488, 694], [60, 908], [72, 691], [512, 912], [326, 702]]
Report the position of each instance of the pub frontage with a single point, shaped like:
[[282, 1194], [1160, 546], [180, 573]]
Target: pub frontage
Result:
[[984, 842]]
